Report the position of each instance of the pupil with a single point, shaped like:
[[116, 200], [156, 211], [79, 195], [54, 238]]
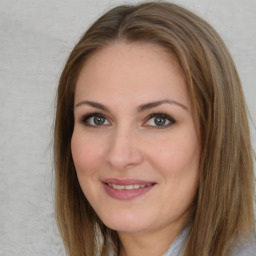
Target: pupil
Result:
[[99, 120], [159, 121]]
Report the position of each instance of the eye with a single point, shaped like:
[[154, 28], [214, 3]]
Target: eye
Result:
[[160, 120], [95, 119]]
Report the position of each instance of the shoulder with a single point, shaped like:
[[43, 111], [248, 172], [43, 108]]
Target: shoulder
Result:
[[245, 248]]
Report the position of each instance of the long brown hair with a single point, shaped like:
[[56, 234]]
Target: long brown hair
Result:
[[224, 202]]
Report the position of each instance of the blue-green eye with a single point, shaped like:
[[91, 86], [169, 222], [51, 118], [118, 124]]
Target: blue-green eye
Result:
[[160, 120], [95, 119]]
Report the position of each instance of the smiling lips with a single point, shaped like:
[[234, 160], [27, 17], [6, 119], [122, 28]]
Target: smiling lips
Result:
[[126, 189]]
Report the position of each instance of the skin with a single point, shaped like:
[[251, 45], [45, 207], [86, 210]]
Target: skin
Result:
[[129, 144]]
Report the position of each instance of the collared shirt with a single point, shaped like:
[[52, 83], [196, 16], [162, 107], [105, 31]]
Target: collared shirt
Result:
[[177, 247], [244, 248]]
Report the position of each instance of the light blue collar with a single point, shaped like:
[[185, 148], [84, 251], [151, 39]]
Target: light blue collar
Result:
[[177, 247]]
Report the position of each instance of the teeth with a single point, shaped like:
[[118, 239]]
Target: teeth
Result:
[[127, 187]]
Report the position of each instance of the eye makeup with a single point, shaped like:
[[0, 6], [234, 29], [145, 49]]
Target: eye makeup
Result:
[[95, 120], [159, 120]]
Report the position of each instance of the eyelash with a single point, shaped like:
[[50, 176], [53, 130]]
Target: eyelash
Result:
[[163, 116], [85, 120]]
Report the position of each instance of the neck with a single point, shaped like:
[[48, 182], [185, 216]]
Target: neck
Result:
[[153, 243]]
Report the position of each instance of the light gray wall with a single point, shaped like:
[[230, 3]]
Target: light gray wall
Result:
[[35, 40]]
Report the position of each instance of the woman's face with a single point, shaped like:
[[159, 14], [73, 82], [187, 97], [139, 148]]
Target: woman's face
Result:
[[135, 146]]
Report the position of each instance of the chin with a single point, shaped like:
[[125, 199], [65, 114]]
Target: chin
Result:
[[127, 222]]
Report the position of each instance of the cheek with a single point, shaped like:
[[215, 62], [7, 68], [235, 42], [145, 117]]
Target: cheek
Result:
[[86, 154], [177, 154]]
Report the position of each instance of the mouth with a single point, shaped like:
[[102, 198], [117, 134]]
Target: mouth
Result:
[[126, 189]]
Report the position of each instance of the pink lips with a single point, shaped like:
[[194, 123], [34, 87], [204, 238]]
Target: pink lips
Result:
[[126, 189]]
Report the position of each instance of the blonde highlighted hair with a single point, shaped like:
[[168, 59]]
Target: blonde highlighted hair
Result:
[[224, 202]]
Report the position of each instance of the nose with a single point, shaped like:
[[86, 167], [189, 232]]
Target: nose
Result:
[[124, 151]]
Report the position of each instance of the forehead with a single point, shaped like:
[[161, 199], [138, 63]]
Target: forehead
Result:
[[134, 52], [131, 69]]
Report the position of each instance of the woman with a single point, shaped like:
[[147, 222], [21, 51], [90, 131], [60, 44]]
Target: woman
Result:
[[152, 145]]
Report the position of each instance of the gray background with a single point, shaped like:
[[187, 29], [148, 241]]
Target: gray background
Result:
[[35, 40]]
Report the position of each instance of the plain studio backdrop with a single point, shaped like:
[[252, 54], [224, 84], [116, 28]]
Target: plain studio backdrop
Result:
[[35, 40]]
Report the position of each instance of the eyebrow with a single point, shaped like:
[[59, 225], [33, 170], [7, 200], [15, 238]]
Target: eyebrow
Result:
[[140, 108], [92, 104], [154, 104]]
